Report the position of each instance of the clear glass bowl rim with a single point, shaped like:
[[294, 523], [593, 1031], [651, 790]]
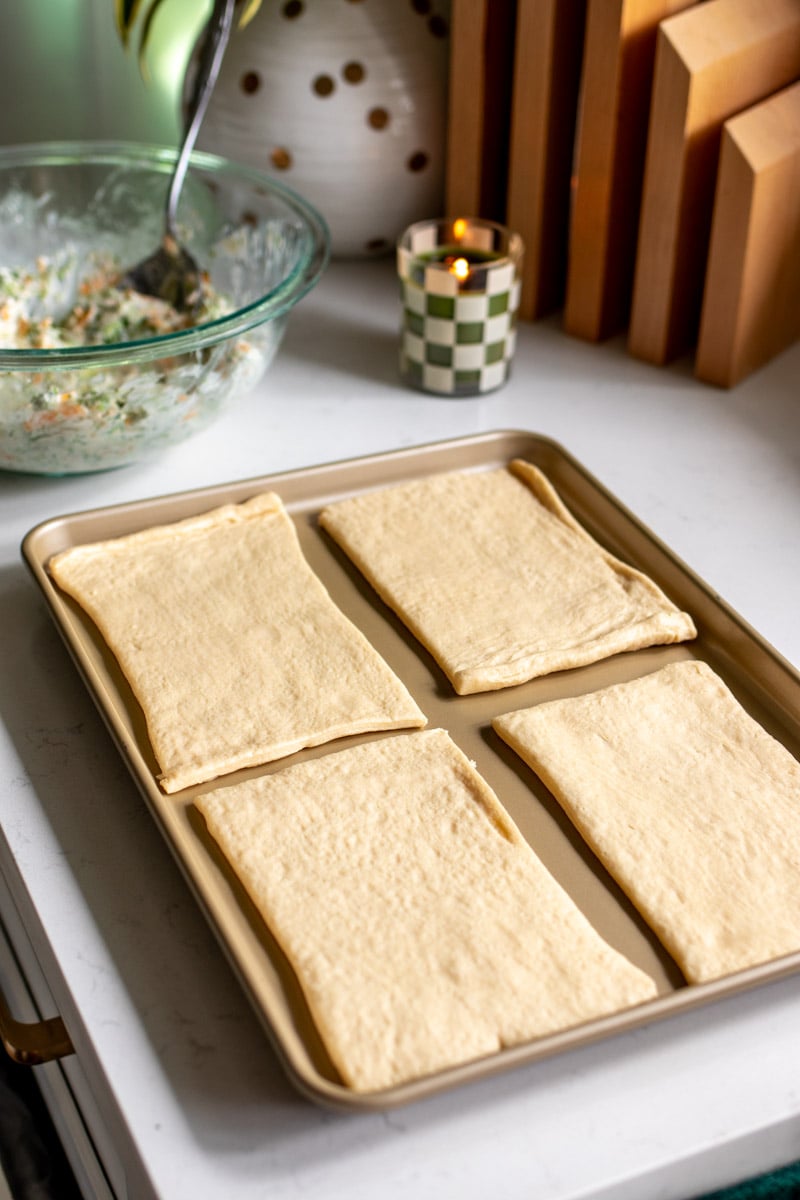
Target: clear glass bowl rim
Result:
[[311, 263]]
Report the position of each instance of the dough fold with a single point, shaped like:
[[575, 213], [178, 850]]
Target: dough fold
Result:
[[230, 642], [495, 577], [689, 803], [423, 929]]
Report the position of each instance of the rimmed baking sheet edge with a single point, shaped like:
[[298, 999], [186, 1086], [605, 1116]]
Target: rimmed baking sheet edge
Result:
[[765, 683]]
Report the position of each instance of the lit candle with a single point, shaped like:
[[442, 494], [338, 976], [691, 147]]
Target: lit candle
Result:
[[459, 260], [460, 283]]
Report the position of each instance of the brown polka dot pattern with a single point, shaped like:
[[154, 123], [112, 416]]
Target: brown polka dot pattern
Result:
[[378, 118], [323, 85], [280, 158], [353, 72]]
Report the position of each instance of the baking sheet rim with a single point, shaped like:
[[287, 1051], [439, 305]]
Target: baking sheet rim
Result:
[[315, 1086]]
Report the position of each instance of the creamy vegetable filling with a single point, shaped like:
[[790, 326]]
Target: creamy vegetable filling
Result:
[[101, 315], [84, 417]]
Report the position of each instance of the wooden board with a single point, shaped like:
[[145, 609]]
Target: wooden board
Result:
[[751, 304], [547, 64], [616, 82], [712, 61], [479, 105]]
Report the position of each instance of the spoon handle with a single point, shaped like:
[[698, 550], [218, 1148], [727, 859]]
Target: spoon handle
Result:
[[215, 40]]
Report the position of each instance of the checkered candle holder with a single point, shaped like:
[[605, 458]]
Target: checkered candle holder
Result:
[[460, 282]]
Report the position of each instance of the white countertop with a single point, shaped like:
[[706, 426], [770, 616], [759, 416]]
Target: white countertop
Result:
[[179, 1063]]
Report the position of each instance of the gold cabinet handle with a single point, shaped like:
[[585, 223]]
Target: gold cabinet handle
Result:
[[33, 1043]]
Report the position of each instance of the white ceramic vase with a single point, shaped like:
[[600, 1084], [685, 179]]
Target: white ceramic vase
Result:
[[346, 102]]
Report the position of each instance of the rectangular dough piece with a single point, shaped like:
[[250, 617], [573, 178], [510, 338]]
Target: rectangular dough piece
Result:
[[230, 642], [689, 803], [423, 929], [496, 578]]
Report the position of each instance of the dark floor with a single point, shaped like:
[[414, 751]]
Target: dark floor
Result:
[[31, 1157], [778, 1185]]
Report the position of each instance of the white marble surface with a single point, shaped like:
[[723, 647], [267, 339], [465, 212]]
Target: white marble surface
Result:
[[182, 1070]]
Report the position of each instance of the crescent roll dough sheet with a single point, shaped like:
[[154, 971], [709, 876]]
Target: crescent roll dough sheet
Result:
[[423, 929], [231, 644], [690, 804], [495, 577]]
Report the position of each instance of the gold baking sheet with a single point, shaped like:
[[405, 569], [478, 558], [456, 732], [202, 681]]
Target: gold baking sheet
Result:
[[765, 684]]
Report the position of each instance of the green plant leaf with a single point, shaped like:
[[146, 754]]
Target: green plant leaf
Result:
[[128, 12], [125, 14], [144, 37], [251, 7]]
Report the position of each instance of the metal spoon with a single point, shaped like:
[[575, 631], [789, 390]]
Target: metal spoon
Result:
[[171, 272]]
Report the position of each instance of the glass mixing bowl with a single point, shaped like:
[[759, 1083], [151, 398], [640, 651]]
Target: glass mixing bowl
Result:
[[72, 214]]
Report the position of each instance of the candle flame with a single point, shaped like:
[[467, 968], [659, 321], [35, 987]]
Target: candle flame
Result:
[[460, 268], [459, 228]]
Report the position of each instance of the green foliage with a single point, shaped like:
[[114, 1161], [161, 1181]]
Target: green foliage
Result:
[[125, 14], [129, 13]]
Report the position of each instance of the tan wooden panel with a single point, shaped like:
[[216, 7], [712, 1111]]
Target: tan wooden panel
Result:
[[479, 105], [751, 304], [618, 60], [547, 63], [712, 61]]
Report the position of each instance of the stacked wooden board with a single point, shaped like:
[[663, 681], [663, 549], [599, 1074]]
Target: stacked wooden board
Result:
[[648, 162]]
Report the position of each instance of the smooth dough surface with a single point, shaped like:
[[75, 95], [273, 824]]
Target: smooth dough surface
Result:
[[494, 576], [423, 929], [230, 642], [690, 804]]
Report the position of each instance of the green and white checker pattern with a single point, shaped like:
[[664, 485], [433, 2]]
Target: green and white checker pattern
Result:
[[458, 340]]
